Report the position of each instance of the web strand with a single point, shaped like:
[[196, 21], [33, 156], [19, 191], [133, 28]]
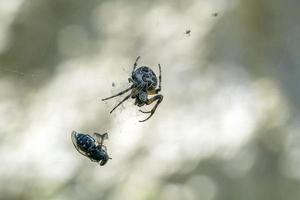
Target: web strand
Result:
[[17, 72]]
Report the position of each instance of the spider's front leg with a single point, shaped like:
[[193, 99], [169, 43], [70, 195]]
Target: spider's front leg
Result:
[[157, 98], [135, 64], [120, 93]]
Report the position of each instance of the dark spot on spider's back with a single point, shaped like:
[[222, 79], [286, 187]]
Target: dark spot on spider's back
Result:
[[145, 77]]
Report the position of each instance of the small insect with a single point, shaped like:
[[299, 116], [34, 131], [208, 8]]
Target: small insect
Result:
[[144, 83], [188, 32], [91, 147]]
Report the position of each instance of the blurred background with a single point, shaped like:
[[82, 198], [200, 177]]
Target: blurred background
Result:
[[227, 129]]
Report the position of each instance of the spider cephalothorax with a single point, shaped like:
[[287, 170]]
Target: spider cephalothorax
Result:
[[144, 83]]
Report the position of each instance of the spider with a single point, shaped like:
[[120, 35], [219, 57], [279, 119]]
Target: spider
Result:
[[144, 83]]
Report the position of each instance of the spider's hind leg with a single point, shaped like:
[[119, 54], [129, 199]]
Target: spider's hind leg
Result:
[[157, 98], [159, 80], [157, 90]]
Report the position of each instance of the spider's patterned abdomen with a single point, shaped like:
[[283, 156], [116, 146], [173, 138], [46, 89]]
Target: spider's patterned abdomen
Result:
[[145, 76]]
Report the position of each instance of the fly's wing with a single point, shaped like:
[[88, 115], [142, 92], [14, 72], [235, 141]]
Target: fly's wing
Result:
[[104, 147], [74, 135], [74, 138], [100, 137]]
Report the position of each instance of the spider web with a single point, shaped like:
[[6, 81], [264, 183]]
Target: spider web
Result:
[[18, 72]]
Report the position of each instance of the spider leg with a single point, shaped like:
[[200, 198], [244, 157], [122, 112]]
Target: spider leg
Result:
[[159, 79], [127, 97], [135, 63], [156, 91], [120, 93], [157, 98]]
